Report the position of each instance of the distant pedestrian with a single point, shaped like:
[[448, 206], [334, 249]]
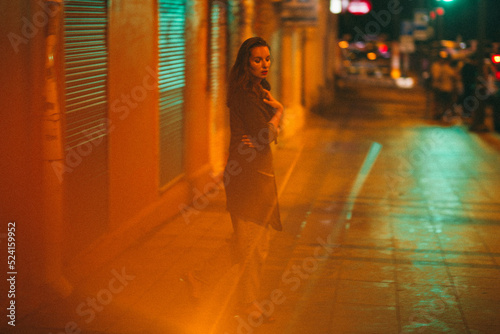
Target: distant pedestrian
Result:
[[251, 192], [436, 69], [468, 74], [444, 81], [485, 92]]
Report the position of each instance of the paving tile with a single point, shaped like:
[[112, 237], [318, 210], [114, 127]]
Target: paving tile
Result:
[[483, 329], [424, 306], [376, 319], [464, 276], [477, 282], [423, 274], [416, 243], [469, 258], [480, 312], [413, 255], [488, 234], [385, 243], [366, 293], [376, 254], [479, 293], [367, 271], [429, 325], [469, 245], [369, 230]]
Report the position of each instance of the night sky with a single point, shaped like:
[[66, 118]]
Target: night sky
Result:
[[461, 18]]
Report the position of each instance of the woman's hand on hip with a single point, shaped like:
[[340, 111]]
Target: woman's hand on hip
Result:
[[248, 141]]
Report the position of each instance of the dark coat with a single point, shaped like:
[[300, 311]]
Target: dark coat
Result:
[[249, 175]]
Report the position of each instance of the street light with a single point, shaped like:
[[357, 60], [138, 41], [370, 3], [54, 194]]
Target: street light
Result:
[[336, 6]]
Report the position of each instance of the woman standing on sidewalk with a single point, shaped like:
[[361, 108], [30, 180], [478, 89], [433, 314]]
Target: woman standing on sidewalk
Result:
[[249, 178], [251, 194]]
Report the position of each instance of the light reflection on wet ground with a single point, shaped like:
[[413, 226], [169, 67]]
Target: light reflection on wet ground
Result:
[[421, 252]]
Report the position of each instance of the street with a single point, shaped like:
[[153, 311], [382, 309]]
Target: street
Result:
[[391, 225]]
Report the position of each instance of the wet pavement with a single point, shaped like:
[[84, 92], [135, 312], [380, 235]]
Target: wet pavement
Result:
[[391, 225]]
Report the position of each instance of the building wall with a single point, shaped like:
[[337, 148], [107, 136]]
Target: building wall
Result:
[[136, 203], [133, 139], [197, 104], [21, 181], [217, 55]]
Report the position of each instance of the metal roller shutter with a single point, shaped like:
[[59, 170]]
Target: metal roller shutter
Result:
[[86, 70], [172, 64], [217, 48], [86, 126]]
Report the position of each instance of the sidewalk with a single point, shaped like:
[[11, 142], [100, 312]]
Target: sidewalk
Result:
[[391, 225]]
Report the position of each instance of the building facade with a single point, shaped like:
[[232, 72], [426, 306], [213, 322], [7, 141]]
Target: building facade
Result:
[[115, 117]]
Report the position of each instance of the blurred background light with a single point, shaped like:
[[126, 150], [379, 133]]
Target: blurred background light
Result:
[[336, 6], [403, 82], [383, 48], [359, 7], [371, 55], [343, 44]]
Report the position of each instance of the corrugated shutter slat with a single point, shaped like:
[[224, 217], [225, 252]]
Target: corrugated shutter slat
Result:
[[172, 64], [86, 69]]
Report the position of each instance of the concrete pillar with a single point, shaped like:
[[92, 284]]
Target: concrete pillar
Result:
[[313, 66], [320, 58], [233, 31], [219, 116], [275, 78], [331, 45], [292, 80], [286, 66], [297, 67], [53, 152], [266, 21], [196, 105], [247, 18], [133, 134]]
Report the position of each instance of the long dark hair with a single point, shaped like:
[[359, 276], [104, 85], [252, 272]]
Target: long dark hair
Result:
[[240, 78]]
